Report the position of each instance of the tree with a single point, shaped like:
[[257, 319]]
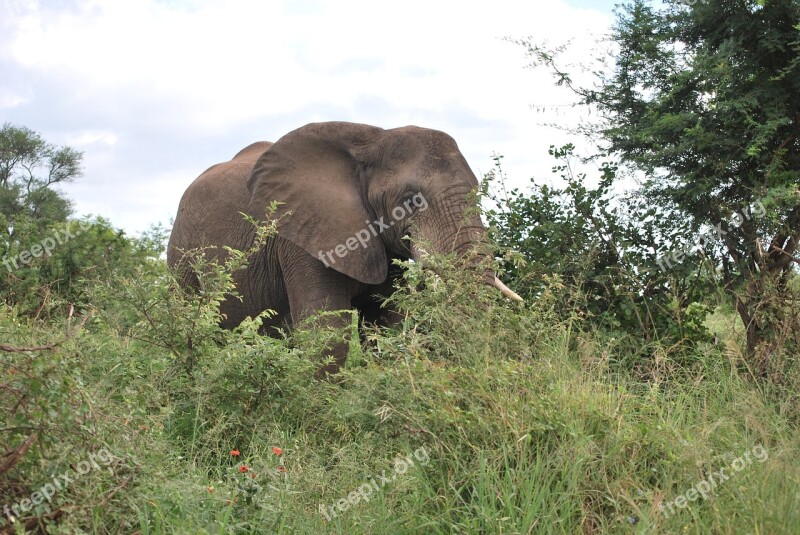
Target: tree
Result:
[[32, 213], [29, 167], [48, 261], [704, 100]]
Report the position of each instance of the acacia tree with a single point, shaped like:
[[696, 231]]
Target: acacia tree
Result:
[[31, 210], [29, 167], [703, 99]]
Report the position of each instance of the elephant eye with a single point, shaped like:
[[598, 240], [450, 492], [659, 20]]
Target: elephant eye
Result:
[[413, 201]]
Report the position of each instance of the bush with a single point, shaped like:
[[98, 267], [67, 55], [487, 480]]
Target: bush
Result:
[[475, 415], [600, 253]]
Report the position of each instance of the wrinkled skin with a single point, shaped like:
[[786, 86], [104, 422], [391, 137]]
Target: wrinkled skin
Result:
[[336, 180]]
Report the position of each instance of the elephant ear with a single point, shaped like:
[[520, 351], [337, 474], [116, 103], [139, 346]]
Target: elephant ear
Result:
[[315, 172]]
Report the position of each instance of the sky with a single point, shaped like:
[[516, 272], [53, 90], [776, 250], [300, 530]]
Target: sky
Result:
[[153, 92]]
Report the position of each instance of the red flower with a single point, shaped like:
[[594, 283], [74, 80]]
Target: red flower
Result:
[[277, 451], [235, 453], [281, 468], [253, 475], [244, 468]]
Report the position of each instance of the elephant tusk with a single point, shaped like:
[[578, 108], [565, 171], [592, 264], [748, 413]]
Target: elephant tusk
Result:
[[505, 290]]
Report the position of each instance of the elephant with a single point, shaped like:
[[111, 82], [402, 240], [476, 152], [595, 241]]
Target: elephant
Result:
[[354, 197]]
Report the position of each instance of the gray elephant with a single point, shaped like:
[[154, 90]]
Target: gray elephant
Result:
[[355, 197]]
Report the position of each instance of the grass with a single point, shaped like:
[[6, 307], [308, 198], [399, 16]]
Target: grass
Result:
[[521, 422]]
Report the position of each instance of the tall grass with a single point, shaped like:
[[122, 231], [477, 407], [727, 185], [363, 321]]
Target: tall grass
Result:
[[528, 423]]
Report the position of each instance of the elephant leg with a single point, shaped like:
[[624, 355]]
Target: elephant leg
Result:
[[312, 288]]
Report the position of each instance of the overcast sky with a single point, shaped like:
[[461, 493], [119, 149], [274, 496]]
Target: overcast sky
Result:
[[154, 92]]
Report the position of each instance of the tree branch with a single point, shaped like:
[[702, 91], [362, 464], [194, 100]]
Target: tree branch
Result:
[[13, 456], [53, 345]]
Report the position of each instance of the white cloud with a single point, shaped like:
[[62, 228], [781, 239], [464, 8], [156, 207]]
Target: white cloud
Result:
[[82, 140], [9, 99], [127, 72]]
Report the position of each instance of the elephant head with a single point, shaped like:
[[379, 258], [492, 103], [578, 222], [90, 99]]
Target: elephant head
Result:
[[352, 192]]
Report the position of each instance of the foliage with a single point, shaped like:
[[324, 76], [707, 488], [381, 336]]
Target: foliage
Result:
[[604, 250], [68, 254], [28, 167], [45, 255], [524, 423], [51, 421], [702, 98]]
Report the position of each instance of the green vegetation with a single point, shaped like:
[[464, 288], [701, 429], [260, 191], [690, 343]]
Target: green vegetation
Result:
[[527, 423], [701, 99], [622, 397]]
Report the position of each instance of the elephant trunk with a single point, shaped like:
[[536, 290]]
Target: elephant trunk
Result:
[[463, 242]]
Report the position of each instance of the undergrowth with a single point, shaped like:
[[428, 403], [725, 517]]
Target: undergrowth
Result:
[[474, 415]]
